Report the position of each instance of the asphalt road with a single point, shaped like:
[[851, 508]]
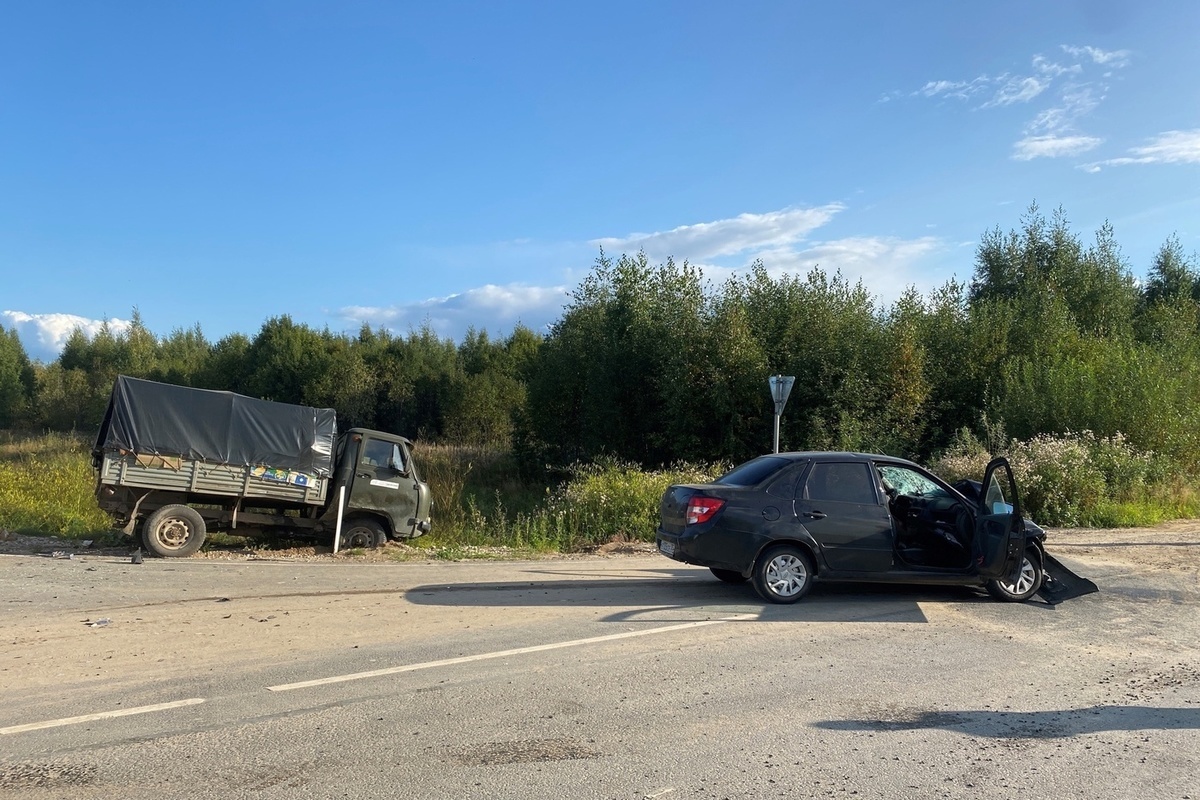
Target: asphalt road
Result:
[[626, 677]]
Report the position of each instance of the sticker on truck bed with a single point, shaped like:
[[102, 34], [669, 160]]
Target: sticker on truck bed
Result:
[[282, 476]]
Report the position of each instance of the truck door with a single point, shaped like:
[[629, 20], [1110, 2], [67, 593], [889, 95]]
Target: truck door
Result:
[[384, 482]]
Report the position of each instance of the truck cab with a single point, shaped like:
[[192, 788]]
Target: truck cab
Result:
[[381, 484]]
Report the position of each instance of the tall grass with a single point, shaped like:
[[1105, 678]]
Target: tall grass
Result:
[[46, 486], [479, 500]]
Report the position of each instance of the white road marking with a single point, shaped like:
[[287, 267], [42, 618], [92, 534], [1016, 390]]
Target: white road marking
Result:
[[445, 662], [124, 712]]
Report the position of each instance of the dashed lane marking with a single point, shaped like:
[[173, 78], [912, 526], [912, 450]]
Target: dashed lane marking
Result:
[[446, 662], [124, 712]]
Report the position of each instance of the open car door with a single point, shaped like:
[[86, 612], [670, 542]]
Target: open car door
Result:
[[999, 544]]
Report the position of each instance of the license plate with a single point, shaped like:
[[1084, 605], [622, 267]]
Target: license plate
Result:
[[666, 548]]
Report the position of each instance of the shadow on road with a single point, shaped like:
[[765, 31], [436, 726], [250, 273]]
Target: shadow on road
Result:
[[687, 590], [1029, 724]]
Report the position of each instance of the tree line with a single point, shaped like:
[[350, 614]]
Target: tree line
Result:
[[652, 364]]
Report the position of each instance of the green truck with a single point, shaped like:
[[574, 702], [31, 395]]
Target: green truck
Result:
[[176, 462]]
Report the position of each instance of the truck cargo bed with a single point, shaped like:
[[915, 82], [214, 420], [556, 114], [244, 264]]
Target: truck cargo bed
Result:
[[175, 474]]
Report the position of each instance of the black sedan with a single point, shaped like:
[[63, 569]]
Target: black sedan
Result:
[[788, 519]]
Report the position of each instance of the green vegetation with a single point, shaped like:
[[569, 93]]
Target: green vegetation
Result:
[[596, 503], [46, 486], [1081, 479], [1054, 353]]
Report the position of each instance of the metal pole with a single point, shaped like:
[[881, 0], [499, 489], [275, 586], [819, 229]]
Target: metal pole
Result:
[[777, 433], [337, 532]]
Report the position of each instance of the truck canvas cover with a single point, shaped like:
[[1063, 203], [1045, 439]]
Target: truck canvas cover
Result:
[[162, 419]]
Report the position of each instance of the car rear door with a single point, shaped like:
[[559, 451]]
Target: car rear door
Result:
[[999, 542]]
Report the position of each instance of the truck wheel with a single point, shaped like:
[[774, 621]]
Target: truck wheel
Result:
[[365, 533], [173, 531]]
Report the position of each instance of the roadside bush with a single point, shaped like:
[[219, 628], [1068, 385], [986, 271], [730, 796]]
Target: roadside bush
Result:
[[598, 503], [614, 501], [1058, 479], [966, 457], [1080, 478]]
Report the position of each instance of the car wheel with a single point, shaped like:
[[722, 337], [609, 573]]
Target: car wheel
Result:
[[728, 575], [783, 574], [1028, 581], [365, 533], [173, 531]]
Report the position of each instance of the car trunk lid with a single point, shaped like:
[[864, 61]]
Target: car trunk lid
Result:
[[674, 506]]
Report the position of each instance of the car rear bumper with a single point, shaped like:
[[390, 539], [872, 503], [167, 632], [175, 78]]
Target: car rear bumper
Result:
[[672, 545], [683, 547]]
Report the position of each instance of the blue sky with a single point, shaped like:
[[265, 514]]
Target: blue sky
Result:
[[461, 164]]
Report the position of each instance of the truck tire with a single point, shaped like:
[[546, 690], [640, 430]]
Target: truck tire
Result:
[[173, 531], [365, 533]]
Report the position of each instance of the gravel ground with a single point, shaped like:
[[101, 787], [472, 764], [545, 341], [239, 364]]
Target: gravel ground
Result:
[[54, 547], [1162, 546]]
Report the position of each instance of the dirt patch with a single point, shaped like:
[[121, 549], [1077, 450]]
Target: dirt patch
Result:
[[45, 775], [52, 546], [523, 752], [1172, 545]]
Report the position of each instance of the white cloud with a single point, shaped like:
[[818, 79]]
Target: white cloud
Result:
[[719, 249], [1053, 68], [492, 308], [958, 90], [723, 237], [886, 265], [1032, 147], [1053, 132], [1017, 90], [1171, 147], [934, 88], [43, 335], [1116, 58]]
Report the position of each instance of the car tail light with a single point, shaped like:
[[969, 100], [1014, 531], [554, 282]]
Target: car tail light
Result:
[[701, 509]]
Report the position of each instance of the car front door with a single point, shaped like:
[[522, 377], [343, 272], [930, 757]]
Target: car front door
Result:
[[999, 544], [841, 507]]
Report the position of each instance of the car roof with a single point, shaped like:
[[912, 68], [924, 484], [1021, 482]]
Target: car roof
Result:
[[841, 455]]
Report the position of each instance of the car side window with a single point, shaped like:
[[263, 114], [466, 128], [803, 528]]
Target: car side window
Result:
[[841, 483], [785, 484]]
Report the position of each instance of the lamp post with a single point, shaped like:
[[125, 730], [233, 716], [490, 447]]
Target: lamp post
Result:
[[781, 387]]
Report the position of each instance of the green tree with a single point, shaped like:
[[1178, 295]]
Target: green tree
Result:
[[1172, 275], [285, 360], [15, 379]]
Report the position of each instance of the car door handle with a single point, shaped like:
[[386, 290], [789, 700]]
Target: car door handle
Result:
[[815, 515]]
